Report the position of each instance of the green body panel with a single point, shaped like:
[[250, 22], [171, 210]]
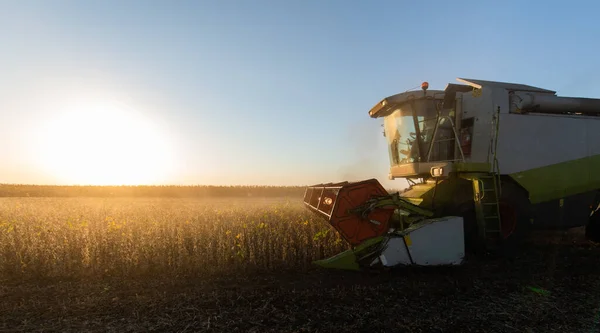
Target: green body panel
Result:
[[560, 180], [345, 260], [349, 259], [450, 193], [414, 201], [543, 184], [394, 200], [417, 191]]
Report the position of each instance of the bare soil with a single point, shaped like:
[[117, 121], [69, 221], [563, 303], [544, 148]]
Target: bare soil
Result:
[[553, 286]]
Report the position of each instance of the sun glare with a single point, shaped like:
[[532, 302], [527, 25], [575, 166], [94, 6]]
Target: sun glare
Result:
[[106, 143]]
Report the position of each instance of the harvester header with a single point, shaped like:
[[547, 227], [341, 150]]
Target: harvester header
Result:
[[336, 202]]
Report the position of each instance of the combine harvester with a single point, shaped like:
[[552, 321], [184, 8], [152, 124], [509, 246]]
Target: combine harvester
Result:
[[486, 162]]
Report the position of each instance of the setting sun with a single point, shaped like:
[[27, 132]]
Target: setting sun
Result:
[[103, 143]]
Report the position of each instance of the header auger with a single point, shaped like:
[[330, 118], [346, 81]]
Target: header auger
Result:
[[486, 162]]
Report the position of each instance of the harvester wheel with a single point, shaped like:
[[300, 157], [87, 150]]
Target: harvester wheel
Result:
[[515, 219], [473, 243], [470, 227], [508, 214]]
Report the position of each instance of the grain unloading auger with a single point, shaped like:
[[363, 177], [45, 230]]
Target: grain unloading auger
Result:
[[486, 162]]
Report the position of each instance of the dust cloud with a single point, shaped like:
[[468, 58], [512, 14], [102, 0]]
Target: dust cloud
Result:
[[369, 155]]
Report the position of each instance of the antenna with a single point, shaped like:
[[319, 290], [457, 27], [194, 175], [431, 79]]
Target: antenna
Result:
[[413, 88]]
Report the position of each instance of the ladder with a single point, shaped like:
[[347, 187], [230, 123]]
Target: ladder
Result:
[[487, 209], [487, 189]]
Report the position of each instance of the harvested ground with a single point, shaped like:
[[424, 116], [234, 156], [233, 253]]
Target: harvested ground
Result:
[[553, 287]]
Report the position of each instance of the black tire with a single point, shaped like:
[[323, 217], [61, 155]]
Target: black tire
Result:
[[472, 241], [515, 219]]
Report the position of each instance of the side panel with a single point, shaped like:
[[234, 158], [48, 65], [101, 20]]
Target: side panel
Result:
[[395, 253], [478, 105], [552, 157], [439, 242]]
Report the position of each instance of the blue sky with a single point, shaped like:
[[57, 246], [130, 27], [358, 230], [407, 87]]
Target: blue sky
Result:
[[270, 92]]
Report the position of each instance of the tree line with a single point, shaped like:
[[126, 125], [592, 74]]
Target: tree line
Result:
[[195, 191]]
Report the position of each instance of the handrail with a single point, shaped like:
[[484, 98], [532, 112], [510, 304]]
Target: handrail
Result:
[[495, 165], [455, 138]]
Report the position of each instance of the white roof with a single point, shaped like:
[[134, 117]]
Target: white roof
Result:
[[508, 86]]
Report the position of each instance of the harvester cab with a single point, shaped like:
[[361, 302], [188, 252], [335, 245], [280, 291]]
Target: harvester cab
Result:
[[484, 165]]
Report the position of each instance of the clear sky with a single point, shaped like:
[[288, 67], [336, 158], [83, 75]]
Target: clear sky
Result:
[[254, 92]]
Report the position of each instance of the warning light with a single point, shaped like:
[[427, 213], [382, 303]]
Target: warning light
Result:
[[424, 85]]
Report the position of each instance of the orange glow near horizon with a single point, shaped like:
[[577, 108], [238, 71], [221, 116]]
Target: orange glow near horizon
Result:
[[103, 143]]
